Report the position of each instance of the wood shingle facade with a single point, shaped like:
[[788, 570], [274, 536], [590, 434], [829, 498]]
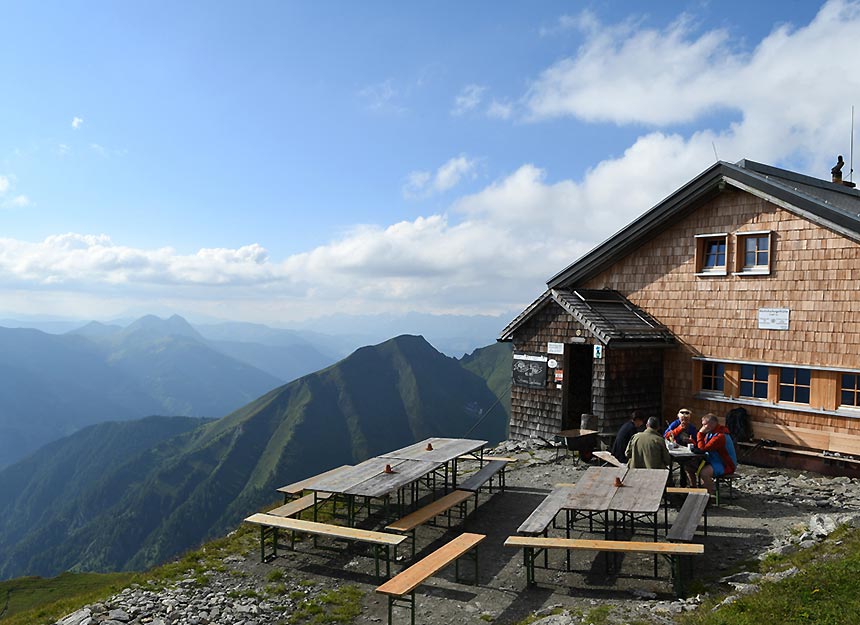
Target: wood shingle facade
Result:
[[754, 273]]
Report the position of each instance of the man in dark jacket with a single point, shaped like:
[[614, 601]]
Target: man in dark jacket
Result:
[[625, 433]]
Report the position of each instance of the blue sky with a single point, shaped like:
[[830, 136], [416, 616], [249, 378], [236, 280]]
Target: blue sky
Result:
[[276, 161]]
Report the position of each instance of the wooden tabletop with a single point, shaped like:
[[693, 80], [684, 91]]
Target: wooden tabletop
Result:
[[575, 433], [404, 473], [443, 449], [642, 492]]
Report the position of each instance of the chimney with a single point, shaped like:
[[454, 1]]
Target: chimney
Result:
[[836, 173]]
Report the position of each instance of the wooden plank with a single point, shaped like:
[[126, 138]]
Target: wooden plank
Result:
[[683, 490], [539, 542], [352, 476], [404, 472], [297, 505], [444, 449], [642, 491], [409, 579], [844, 443], [431, 510], [608, 457], [484, 474], [684, 527], [802, 437], [296, 488], [546, 511], [595, 489], [323, 529]]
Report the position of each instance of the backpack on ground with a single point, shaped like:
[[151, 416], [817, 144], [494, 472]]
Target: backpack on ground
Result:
[[738, 422]]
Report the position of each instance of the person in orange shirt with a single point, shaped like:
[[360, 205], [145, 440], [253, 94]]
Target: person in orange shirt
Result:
[[716, 441]]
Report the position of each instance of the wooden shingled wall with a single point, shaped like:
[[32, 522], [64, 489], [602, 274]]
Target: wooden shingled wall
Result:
[[815, 273], [537, 411]]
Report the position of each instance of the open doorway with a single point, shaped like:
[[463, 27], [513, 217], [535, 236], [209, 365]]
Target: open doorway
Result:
[[576, 385]]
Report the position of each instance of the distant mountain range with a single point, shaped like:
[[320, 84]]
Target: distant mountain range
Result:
[[123, 496], [53, 385]]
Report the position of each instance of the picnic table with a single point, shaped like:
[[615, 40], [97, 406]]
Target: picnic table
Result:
[[595, 496], [679, 454], [369, 479]]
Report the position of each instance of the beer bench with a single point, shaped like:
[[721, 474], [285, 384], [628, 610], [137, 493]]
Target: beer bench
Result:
[[409, 579], [271, 524], [444, 505], [533, 545]]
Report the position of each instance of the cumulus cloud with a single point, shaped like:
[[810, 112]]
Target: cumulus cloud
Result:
[[77, 122], [492, 250], [421, 184], [468, 99]]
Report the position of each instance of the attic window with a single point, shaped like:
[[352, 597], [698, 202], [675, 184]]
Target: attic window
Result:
[[711, 254], [753, 253]]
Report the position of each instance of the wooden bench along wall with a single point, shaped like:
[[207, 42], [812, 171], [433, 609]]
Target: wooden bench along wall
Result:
[[271, 524], [409, 579], [813, 442]]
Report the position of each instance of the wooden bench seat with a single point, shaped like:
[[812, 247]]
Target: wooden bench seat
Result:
[[806, 442], [297, 506], [271, 524], [608, 458], [694, 508], [485, 474], [405, 582], [533, 545], [412, 521], [297, 488]]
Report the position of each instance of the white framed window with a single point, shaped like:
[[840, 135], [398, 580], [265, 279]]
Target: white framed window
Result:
[[754, 253], [712, 253]]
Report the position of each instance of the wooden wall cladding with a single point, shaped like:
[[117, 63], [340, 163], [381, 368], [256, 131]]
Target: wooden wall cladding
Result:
[[815, 273]]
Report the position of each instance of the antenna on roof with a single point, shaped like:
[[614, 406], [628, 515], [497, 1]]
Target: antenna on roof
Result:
[[851, 154], [714, 145]]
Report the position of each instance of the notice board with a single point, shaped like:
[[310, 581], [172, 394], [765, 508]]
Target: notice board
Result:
[[529, 370]]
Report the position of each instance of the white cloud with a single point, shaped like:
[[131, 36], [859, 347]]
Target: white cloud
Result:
[[492, 250], [468, 99], [77, 122], [500, 109], [5, 184], [382, 97], [420, 184], [20, 201]]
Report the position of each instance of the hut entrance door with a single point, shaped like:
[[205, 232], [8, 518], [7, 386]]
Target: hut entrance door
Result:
[[576, 384]]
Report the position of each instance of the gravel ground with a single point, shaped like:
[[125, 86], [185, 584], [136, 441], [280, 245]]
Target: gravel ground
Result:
[[772, 510]]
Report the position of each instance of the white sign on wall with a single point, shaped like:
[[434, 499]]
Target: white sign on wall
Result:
[[555, 348], [773, 318]]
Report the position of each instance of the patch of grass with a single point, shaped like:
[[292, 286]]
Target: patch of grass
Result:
[[824, 592], [341, 605], [598, 615], [276, 575], [487, 618], [35, 600], [531, 618]]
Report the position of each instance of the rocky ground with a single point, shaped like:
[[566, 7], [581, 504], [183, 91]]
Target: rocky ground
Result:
[[772, 510]]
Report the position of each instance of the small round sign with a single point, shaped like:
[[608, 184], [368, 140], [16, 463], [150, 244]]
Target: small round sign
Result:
[[552, 363]]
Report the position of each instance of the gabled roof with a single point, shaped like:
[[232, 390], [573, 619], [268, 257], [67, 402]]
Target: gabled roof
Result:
[[827, 204], [607, 314]]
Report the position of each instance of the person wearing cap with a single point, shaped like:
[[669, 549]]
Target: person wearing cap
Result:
[[625, 433], [681, 429], [647, 450]]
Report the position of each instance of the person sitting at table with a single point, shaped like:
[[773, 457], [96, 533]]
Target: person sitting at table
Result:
[[681, 429], [647, 450], [625, 433], [715, 441]]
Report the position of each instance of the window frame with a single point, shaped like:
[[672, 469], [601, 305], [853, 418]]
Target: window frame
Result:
[[713, 376], [742, 269], [755, 381], [795, 387], [841, 388], [702, 242]]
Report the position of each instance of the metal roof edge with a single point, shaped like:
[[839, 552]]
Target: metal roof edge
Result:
[[507, 332]]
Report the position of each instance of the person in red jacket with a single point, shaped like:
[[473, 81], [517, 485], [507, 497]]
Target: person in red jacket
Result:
[[714, 439]]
